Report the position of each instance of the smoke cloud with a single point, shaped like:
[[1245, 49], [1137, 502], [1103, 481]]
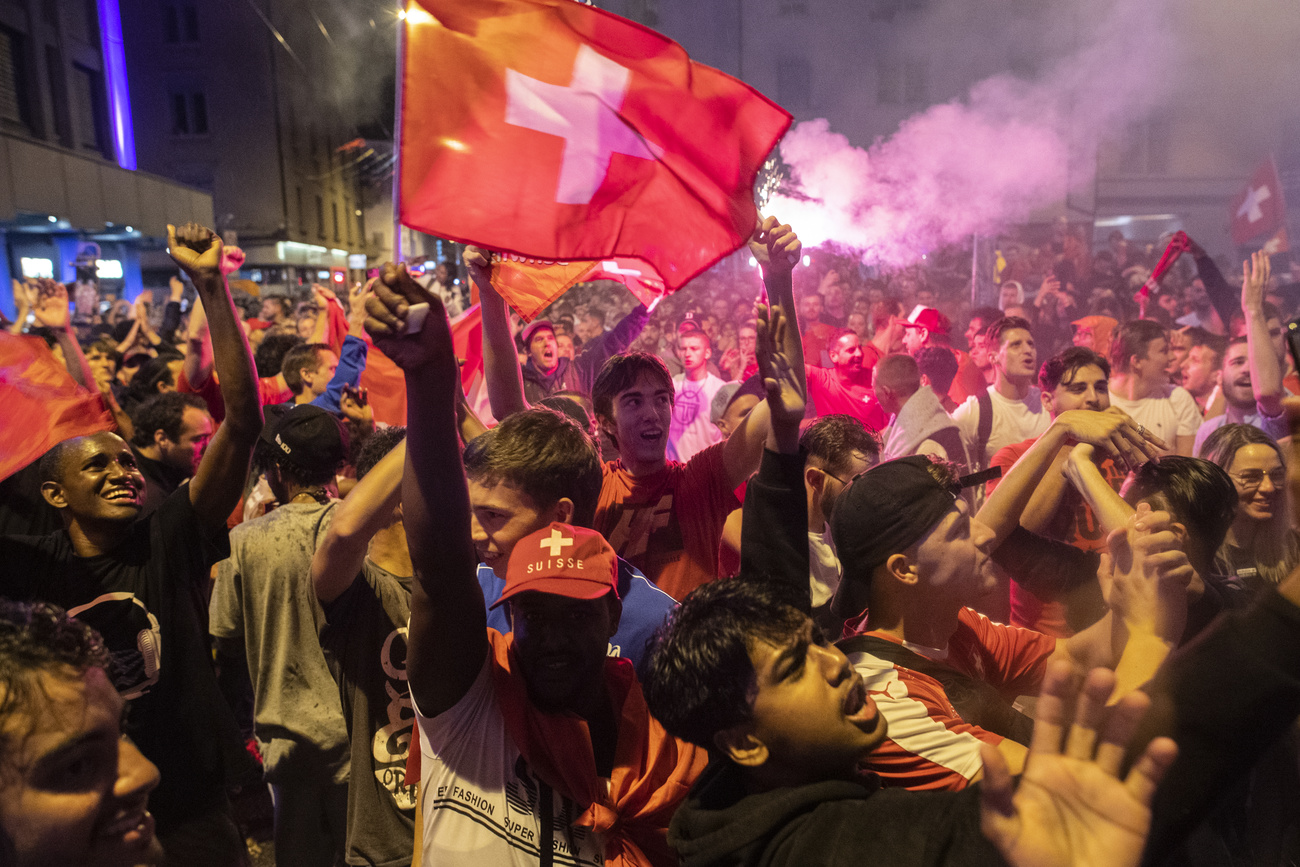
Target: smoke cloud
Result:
[[1014, 144]]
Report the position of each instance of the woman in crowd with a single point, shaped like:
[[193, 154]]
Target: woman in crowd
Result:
[[1261, 548]]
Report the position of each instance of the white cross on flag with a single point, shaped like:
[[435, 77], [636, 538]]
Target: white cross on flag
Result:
[[553, 130], [1258, 209]]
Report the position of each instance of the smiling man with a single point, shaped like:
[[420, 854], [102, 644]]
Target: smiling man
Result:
[[133, 578]]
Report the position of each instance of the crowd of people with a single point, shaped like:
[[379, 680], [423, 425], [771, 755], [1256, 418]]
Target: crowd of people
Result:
[[816, 580]]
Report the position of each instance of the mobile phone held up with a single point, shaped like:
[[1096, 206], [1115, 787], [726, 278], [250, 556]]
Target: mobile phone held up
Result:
[[1293, 341]]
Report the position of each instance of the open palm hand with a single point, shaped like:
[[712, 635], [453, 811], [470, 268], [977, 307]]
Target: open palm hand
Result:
[[1071, 809]]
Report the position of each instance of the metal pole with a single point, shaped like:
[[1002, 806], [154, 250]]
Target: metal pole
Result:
[[397, 131]]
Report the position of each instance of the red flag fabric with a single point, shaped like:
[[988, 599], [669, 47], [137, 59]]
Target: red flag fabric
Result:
[[385, 385], [1259, 209], [555, 130], [529, 285], [467, 336], [43, 405], [1279, 243], [639, 277]]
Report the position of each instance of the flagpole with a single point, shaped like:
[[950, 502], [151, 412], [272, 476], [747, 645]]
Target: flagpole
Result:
[[397, 131]]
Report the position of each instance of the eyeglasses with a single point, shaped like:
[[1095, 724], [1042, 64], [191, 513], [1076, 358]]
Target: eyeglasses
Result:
[[1251, 479]]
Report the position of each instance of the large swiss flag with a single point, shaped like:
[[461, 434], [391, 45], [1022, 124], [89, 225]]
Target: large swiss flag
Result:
[[1259, 208], [554, 130]]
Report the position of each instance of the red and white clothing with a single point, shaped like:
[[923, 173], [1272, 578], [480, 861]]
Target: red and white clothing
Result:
[[668, 524], [929, 745]]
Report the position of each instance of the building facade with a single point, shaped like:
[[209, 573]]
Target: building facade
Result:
[[68, 184]]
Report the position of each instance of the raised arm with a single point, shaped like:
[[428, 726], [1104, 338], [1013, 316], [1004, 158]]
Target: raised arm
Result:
[[778, 248], [219, 481], [612, 342], [1265, 370], [366, 510], [448, 631], [1114, 432], [51, 312], [501, 373], [1147, 574], [1220, 292], [1082, 471], [774, 532]]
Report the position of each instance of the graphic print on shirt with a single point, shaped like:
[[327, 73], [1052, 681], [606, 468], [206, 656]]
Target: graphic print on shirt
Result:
[[648, 535], [519, 826], [391, 743], [133, 638], [523, 794]]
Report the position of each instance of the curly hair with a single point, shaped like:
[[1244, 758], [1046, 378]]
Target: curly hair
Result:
[[39, 637]]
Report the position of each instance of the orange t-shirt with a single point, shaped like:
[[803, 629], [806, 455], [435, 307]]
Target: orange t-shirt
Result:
[[669, 524]]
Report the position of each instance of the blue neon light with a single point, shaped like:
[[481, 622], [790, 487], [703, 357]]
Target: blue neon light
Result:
[[119, 96]]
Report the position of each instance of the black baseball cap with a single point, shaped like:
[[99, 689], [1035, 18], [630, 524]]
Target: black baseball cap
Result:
[[884, 511], [306, 436]]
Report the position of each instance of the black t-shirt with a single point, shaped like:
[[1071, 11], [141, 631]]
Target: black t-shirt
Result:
[[139, 598], [364, 639], [23, 511], [160, 481]]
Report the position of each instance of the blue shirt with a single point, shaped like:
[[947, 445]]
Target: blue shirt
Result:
[[645, 607], [352, 360]]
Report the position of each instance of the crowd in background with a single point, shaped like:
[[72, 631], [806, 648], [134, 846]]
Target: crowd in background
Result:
[[300, 519]]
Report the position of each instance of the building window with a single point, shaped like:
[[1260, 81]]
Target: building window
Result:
[[189, 113], [320, 217], [794, 84], [15, 107], [302, 216], [334, 209], [905, 83], [90, 109], [180, 22], [347, 219]]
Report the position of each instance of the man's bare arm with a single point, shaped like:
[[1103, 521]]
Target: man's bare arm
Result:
[[501, 372], [367, 509], [448, 632], [219, 481]]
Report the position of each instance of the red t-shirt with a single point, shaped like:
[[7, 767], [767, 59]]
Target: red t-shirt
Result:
[[1074, 524], [669, 524], [929, 746], [968, 381], [832, 397]]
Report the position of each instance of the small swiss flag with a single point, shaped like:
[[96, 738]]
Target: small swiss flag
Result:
[[1258, 209]]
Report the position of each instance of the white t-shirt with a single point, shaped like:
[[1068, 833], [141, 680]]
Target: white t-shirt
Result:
[[1014, 421], [1170, 414], [691, 430], [480, 796]]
